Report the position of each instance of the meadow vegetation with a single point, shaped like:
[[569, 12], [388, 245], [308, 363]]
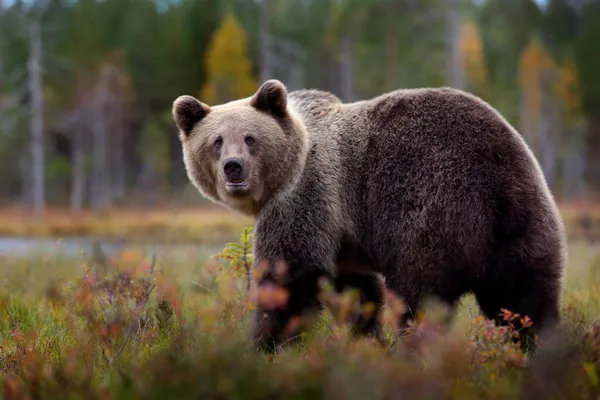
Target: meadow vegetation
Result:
[[145, 326], [208, 224]]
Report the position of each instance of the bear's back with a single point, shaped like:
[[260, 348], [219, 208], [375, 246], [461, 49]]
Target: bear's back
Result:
[[439, 165], [440, 137]]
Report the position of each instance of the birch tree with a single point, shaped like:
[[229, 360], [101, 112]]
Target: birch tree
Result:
[[456, 70], [265, 47], [34, 69], [81, 115], [101, 188]]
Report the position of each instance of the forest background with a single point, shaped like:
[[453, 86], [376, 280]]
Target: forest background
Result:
[[86, 86]]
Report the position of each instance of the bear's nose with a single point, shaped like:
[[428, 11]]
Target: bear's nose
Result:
[[233, 168]]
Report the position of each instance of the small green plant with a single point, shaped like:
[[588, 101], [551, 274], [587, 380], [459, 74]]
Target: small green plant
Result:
[[240, 257]]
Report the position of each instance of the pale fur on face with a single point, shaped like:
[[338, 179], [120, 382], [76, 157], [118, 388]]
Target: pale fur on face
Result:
[[261, 130]]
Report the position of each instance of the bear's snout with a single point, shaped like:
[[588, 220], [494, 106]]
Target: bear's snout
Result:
[[234, 169], [236, 173]]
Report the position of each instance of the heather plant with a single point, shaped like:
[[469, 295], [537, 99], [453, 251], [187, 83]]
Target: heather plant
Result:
[[139, 327]]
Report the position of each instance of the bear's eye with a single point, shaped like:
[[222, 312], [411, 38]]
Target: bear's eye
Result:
[[249, 140], [218, 141]]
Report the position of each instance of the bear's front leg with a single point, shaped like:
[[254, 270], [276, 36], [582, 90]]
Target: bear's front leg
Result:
[[296, 239], [282, 303]]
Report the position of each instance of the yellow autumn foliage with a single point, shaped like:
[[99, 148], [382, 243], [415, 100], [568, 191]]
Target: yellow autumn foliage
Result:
[[534, 61], [471, 49], [229, 70], [566, 86]]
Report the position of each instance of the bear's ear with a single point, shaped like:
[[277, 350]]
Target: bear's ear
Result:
[[271, 97], [187, 112]]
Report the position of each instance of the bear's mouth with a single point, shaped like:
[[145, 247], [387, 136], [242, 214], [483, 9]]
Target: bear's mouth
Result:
[[236, 185]]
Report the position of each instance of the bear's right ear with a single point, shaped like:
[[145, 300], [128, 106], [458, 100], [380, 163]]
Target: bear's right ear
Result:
[[271, 97], [187, 112]]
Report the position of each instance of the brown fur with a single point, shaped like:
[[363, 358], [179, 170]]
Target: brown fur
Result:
[[430, 188]]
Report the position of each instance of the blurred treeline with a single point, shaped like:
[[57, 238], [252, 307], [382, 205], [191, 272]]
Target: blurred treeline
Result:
[[86, 86]]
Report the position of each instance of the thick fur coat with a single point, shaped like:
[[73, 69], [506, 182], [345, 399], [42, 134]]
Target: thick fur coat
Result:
[[430, 189]]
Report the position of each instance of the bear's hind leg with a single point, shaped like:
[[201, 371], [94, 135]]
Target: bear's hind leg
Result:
[[532, 293], [524, 271]]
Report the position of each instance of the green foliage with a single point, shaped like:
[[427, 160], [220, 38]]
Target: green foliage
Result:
[[58, 167], [559, 27], [589, 64], [240, 257], [154, 144]]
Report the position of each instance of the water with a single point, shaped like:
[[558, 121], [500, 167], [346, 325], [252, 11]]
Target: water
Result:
[[78, 247]]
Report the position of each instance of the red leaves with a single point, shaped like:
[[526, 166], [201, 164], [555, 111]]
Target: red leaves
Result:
[[270, 296], [13, 389], [110, 331], [515, 319], [167, 290]]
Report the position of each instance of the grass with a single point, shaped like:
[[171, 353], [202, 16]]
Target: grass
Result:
[[135, 327]]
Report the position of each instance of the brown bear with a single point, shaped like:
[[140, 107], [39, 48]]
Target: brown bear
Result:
[[430, 188]]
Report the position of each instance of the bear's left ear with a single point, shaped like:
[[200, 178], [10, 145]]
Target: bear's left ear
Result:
[[187, 112], [271, 97]]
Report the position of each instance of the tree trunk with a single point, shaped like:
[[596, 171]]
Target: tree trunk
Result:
[[1, 54], [580, 163], [265, 40], [148, 182], [392, 43], [346, 68], [593, 151], [456, 74], [25, 172], [79, 170], [37, 115], [549, 125], [573, 179], [100, 165], [529, 122], [83, 110], [118, 152]]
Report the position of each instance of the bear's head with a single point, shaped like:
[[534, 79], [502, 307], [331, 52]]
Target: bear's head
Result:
[[244, 152]]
